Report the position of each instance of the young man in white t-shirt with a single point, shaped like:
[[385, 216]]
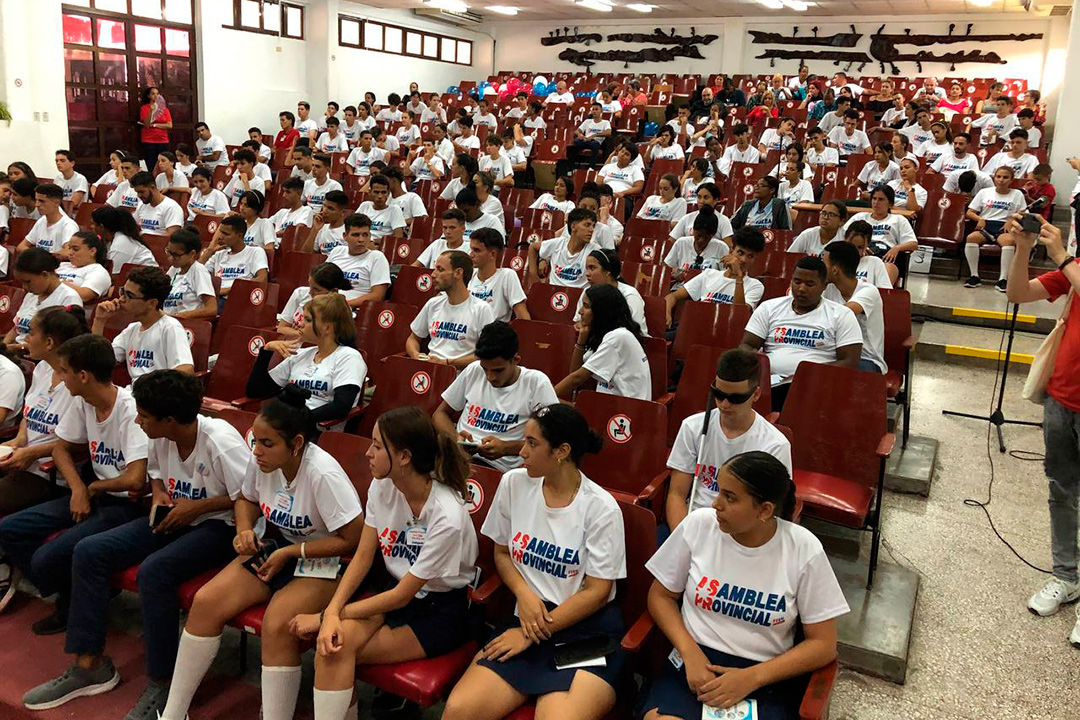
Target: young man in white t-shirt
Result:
[[364, 154], [154, 341], [195, 465], [333, 140], [316, 189], [499, 287], [294, 212], [493, 398], [452, 238], [730, 284], [561, 96], [803, 327], [243, 178], [387, 220], [1015, 156], [230, 259], [210, 147], [742, 151], [818, 154], [104, 495], [708, 439], [452, 320], [367, 270], [53, 228], [425, 163], [328, 225], [494, 161], [842, 264], [484, 116], [561, 260], [304, 124], [73, 184], [122, 195], [624, 177], [998, 126], [263, 151], [958, 159], [157, 214], [848, 139], [592, 133], [301, 163]]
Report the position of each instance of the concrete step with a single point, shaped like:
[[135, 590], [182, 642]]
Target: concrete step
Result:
[[946, 299], [959, 344]]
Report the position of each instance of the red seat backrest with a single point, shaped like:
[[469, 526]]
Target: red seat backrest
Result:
[[650, 279], [239, 348], [404, 381], [639, 526], [896, 312], [651, 229], [426, 227], [542, 219], [242, 420], [546, 347], [655, 318], [656, 350], [775, 286], [82, 215], [837, 415], [198, 333], [349, 451], [382, 329], [779, 239], [943, 218], [643, 250], [633, 434], [293, 271], [403, 251], [18, 228], [482, 484], [412, 286], [11, 298], [249, 303], [715, 324], [552, 303]]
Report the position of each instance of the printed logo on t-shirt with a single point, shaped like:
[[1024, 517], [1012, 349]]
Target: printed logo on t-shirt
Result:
[[102, 454], [150, 224], [185, 489], [881, 229], [707, 475], [996, 204], [741, 603], [491, 421], [140, 359], [284, 519], [22, 324], [446, 330], [545, 556], [801, 337], [393, 544], [38, 419], [129, 201], [654, 212], [231, 272], [719, 297]]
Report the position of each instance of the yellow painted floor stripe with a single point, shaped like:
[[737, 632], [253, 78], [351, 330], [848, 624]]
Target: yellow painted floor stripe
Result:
[[991, 314], [983, 353]]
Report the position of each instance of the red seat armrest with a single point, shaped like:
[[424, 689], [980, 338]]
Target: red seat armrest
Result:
[[483, 594], [353, 414], [48, 465], [214, 405], [638, 633], [909, 342], [244, 403], [655, 492], [666, 399], [773, 418], [886, 445], [816, 700]]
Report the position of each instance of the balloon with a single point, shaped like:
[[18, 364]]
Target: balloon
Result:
[[539, 80], [514, 84], [527, 89], [453, 90], [505, 94]]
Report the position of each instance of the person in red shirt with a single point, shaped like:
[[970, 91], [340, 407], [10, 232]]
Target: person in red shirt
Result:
[[288, 135], [1040, 190], [1061, 412], [155, 121], [766, 109]]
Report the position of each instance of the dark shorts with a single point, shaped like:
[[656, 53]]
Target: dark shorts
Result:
[[878, 248], [533, 671], [670, 695], [993, 229], [440, 621]]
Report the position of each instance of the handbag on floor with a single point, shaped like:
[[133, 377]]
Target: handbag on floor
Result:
[[1042, 366]]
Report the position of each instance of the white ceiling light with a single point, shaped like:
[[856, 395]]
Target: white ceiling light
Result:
[[641, 8], [595, 5], [796, 5], [502, 9], [772, 4], [982, 3], [451, 5]]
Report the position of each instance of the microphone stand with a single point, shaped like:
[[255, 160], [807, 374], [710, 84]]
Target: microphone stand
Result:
[[997, 417]]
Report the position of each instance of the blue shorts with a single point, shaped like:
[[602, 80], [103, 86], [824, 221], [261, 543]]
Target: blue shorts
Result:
[[439, 620], [670, 695], [992, 229]]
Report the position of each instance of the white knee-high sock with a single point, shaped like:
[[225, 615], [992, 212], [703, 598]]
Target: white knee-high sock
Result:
[[192, 661], [1007, 254], [280, 691], [971, 252], [332, 704]]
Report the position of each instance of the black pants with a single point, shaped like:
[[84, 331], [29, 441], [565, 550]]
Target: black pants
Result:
[[150, 152]]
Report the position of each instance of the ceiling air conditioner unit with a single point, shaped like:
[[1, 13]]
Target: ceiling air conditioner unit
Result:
[[460, 19]]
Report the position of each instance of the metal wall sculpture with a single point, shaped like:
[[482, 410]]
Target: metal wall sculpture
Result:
[[682, 46]]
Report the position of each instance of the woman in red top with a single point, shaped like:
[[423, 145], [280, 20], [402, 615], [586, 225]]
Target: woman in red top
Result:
[[286, 137], [156, 121], [766, 109]]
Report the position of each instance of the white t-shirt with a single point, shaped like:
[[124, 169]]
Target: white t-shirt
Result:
[[285, 218], [437, 247], [733, 154], [62, 295], [633, 300], [124, 250], [846, 144], [364, 271], [344, 366], [51, 238], [591, 128], [809, 241], [621, 179], [156, 219], [328, 144], [213, 202], [893, 230], [216, 467], [360, 161], [948, 163], [77, 183], [465, 144], [162, 346], [716, 287], [902, 195], [791, 338], [781, 167], [488, 411], [871, 320], [206, 148], [875, 177], [620, 366], [408, 135], [872, 270], [773, 140], [500, 167], [186, 169], [917, 135], [421, 170], [952, 181], [306, 127], [412, 206], [452, 329], [12, 390], [502, 291], [314, 195], [685, 226], [179, 179], [383, 222], [683, 256], [547, 201], [438, 546], [329, 238], [1034, 137], [93, 276], [656, 209], [671, 152], [109, 178], [43, 407], [320, 500], [828, 156], [993, 207], [602, 236], [554, 549], [991, 124], [261, 233], [566, 98], [243, 265], [931, 150], [235, 188], [703, 464], [113, 443], [566, 269], [746, 601], [188, 289], [1022, 166], [803, 192]]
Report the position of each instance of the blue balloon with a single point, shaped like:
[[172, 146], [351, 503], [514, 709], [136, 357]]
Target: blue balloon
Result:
[[453, 90]]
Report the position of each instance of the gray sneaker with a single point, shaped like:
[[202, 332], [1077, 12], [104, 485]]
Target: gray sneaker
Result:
[[74, 683], [151, 704]]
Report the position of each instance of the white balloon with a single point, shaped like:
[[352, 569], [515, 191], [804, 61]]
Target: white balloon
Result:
[[538, 80]]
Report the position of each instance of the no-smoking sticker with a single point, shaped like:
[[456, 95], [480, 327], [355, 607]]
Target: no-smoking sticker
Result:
[[255, 344], [618, 429], [386, 319], [421, 383], [250, 437], [257, 296], [517, 262], [5, 304], [647, 252], [944, 203], [768, 235], [748, 171], [211, 227], [190, 336], [559, 302], [748, 189], [423, 283], [474, 493], [403, 251]]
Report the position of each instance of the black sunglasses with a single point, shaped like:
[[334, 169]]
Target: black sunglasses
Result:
[[720, 396]]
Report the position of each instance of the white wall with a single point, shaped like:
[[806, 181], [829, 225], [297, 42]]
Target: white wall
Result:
[[32, 83]]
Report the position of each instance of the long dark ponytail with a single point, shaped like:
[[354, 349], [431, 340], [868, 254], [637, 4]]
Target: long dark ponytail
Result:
[[766, 479], [433, 453]]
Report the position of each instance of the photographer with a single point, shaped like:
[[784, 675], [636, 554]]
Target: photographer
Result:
[[1061, 409]]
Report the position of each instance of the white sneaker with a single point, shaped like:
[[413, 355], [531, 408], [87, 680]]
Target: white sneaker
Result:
[[1074, 636], [8, 583], [1053, 595]]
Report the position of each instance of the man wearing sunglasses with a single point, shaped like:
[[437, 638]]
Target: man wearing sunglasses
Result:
[[728, 426]]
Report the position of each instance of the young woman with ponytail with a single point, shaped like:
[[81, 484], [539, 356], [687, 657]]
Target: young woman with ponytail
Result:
[[312, 518], [418, 524], [746, 577], [559, 547]]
